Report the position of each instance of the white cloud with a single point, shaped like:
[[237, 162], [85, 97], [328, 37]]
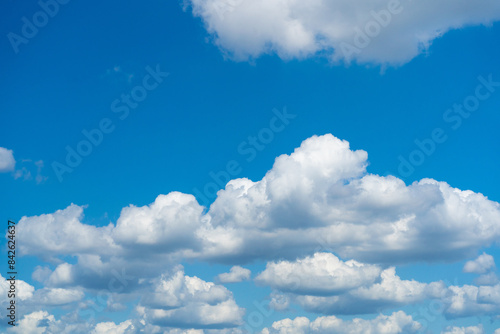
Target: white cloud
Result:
[[380, 31], [235, 275], [320, 197], [481, 265], [168, 223], [23, 290], [42, 322], [398, 322], [57, 296], [392, 288], [62, 275], [464, 330], [30, 323], [325, 284], [183, 301], [113, 274], [391, 292], [7, 161], [39, 322], [112, 328], [62, 233], [321, 274], [470, 300]]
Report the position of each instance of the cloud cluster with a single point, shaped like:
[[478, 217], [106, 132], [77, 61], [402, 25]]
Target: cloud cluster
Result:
[[38, 322], [380, 32], [43, 322], [396, 323], [325, 284], [317, 200], [182, 301], [320, 197], [470, 300]]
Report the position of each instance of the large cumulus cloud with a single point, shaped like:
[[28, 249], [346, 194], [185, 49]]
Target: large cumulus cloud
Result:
[[320, 197], [380, 32]]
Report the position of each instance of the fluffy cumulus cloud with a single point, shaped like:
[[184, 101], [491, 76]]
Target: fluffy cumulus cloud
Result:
[[62, 232], [112, 328], [235, 275], [325, 284], [24, 290], [380, 31], [321, 274], [481, 265], [7, 161], [168, 223], [30, 323], [183, 301], [318, 197], [470, 300], [40, 322], [398, 322]]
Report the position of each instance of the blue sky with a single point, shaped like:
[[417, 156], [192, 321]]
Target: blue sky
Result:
[[217, 90]]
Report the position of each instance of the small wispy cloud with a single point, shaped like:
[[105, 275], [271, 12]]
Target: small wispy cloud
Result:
[[26, 169]]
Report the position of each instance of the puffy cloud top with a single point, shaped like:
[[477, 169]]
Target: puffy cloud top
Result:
[[320, 197], [181, 300]]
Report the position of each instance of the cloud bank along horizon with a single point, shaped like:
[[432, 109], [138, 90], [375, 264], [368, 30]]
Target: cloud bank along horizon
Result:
[[331, 235]]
